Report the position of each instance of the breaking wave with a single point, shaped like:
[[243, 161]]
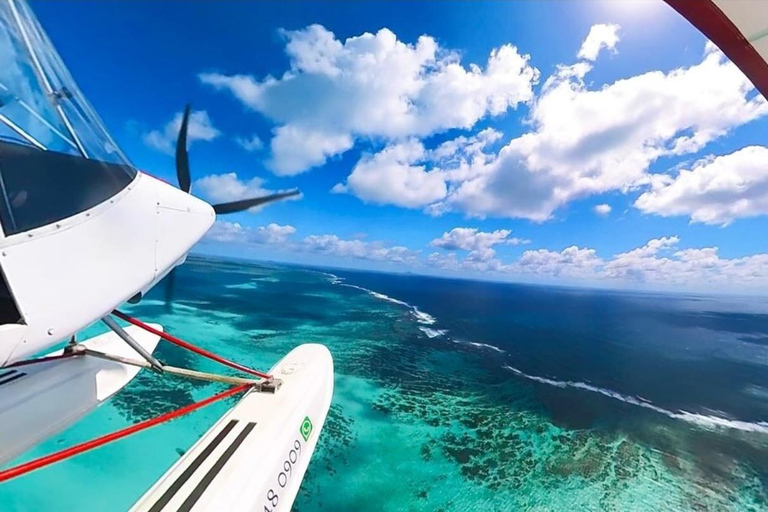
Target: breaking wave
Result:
[[483, 346], [701, 420], [433, 333], [421, 316]]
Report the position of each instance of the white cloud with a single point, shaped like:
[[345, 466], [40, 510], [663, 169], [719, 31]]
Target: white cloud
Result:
[[327, 244], [590, 141], [571, 262], [654, 264], [472, 239], [223, 231], [398, 173], [296, 148], [358, 249], [641, 263], [272, 234], [479, 244], [199, 128], [250, 144], [599, 37], [602, 209], [393, 176], [445, 261], [373, 86], [223, 188], [657, 263], [716, 191]]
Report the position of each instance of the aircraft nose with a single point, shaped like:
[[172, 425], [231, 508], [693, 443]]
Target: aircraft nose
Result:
[[182, 220]]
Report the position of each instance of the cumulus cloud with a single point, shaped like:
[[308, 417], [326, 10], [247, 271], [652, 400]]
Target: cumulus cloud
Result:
[[373, 86], [572, 261], [199, 128], [479, 245], [223, 188], [659, 262], [358, 249], [406, 174], [223, 231], [599, 37], [296, 148], [716, 191], [395, 176], [250, 144], [602, 209], [472, 239], [442, 260], [327, 244], [656, 264], [591, 141]]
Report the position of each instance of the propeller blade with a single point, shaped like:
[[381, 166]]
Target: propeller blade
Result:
[[244, 204], [182, 158]]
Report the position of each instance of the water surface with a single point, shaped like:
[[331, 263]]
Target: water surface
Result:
[[457, 395]]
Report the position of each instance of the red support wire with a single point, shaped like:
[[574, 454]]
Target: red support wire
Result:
[[77, 449], [189, 346]]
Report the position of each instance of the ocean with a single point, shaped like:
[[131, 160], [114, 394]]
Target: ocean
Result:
[[456, 395]]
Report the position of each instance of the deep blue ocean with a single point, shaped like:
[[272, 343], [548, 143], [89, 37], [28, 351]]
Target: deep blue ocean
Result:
[[682, 352], [456, 394]]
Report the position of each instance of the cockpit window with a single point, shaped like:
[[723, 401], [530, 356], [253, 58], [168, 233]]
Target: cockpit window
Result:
[[56, 157], [42, 187], [40, 104]]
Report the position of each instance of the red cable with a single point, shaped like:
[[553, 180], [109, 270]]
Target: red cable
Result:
[[32, 465], [189, 346]]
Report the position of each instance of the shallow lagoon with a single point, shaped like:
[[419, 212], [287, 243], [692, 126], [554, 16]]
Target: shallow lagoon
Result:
[[454, 404]]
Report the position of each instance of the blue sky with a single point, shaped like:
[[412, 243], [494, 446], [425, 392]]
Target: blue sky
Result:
[[586, 104]]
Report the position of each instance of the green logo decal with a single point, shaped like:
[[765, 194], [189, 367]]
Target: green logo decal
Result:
[[306, 428]]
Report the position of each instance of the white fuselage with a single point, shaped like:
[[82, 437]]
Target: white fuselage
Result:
[[69, 274]]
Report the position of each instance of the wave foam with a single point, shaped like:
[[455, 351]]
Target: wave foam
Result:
[[387, 298], [700, 420], [421, 316], [485, 345], [433, 333], [479, 345]]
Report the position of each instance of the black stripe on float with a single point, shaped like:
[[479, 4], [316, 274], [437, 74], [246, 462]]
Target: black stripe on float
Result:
[[12, 378], [208, 478], [187, 473], [6, 373]]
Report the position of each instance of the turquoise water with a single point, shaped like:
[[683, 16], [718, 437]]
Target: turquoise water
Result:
[[425, 419]]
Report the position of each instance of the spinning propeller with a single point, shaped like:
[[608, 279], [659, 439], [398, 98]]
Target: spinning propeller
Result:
[[185, 184]]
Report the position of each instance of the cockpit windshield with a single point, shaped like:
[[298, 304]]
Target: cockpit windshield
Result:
[[41, 108]]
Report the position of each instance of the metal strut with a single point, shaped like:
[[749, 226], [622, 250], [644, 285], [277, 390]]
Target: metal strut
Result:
[[153, 362], [259, 385]]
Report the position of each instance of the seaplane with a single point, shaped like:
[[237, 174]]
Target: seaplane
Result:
[[82, 233]]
